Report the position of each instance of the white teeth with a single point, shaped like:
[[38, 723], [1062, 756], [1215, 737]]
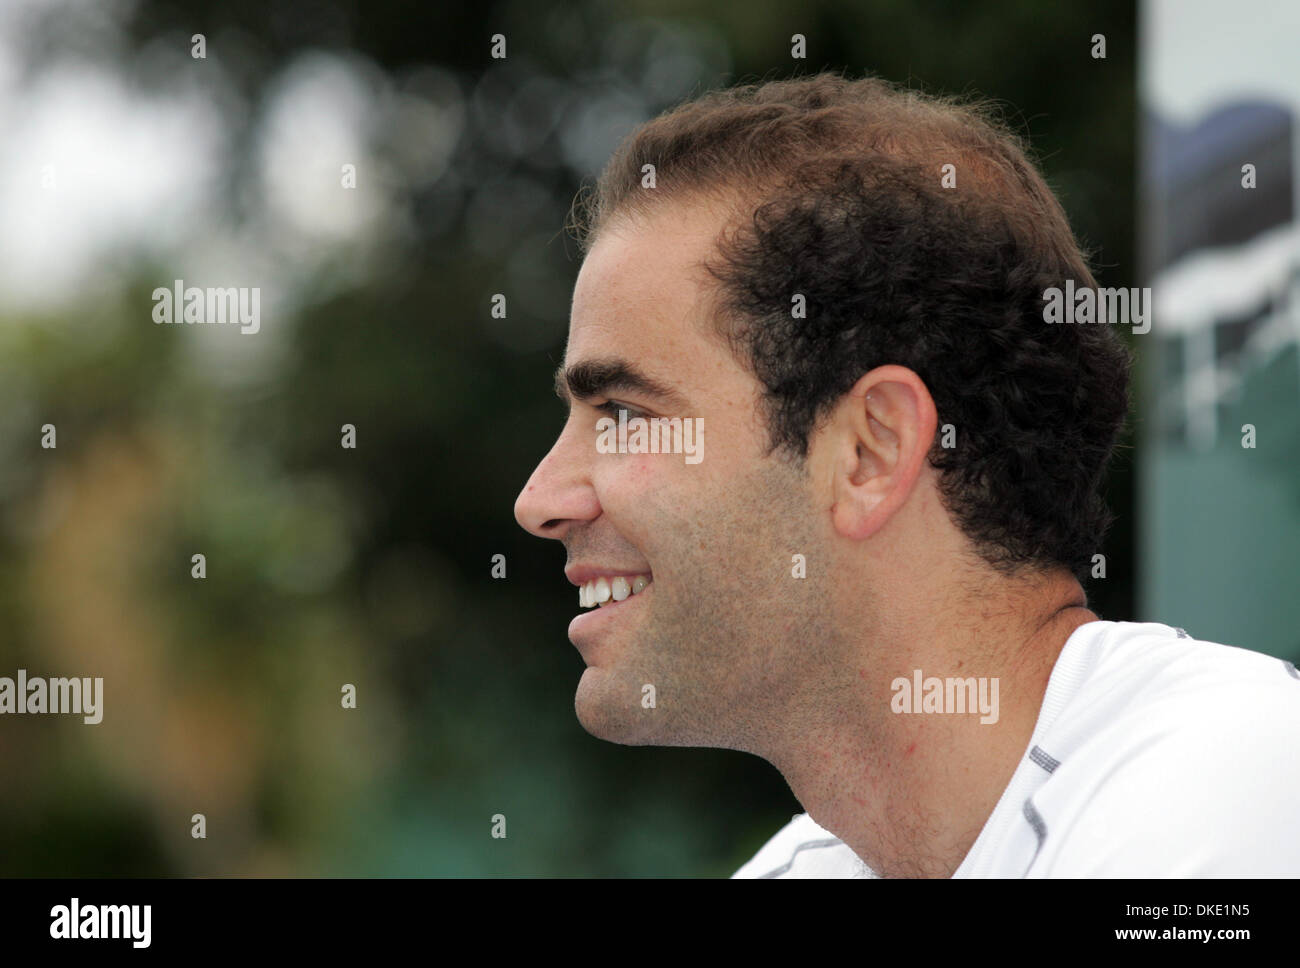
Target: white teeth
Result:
[[606, 591]]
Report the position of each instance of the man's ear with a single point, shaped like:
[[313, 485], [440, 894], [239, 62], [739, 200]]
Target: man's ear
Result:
[[874, 447]]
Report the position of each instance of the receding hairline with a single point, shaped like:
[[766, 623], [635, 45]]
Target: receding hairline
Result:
[[822, 120]]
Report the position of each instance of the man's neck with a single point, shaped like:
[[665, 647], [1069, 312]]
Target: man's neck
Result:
[[910, 792]]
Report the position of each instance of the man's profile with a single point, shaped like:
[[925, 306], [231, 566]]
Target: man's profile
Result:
[[900, 499]]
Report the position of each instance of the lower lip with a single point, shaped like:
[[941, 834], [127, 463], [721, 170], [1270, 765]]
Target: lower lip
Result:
[[592, 622]]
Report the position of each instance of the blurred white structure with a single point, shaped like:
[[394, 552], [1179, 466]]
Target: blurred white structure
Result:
[[1219, 547]]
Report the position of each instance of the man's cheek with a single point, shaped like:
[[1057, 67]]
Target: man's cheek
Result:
[[630, 488], [646, 472], [651, 499]]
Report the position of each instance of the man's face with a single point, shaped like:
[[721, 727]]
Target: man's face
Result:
[[724, 632]]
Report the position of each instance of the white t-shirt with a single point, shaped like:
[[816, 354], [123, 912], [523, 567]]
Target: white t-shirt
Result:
[[1154, 755]]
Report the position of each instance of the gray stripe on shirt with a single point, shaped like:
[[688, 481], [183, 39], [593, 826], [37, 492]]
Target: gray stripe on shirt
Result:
[[806, 845], [1047, 762], [1040, 829]]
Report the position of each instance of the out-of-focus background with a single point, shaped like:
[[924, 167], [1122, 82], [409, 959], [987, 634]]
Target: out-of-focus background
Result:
[[1219, 433], [127, 163]]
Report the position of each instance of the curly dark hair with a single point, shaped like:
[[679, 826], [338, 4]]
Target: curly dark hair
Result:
[[839, 189]]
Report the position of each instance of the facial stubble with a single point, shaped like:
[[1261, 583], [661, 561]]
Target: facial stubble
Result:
[[733, 640]]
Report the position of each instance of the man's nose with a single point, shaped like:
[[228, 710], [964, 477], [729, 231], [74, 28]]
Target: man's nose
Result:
[[559, 493]]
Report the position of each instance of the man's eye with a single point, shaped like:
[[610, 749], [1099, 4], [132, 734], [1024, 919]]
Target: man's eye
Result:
[[612, 407]]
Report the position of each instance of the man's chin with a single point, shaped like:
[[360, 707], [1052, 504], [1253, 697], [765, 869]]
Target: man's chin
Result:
[[615, 710]]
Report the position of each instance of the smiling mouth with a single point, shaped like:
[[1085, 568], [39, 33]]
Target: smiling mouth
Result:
[[608, 591]]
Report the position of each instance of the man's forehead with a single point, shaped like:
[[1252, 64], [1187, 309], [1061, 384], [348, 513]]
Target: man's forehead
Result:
[[641, 307], [657, 257]]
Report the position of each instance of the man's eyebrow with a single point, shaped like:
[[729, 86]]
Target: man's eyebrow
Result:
[[598, 378]]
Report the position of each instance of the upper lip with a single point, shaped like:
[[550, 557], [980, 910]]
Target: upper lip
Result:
[[581, 574]]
